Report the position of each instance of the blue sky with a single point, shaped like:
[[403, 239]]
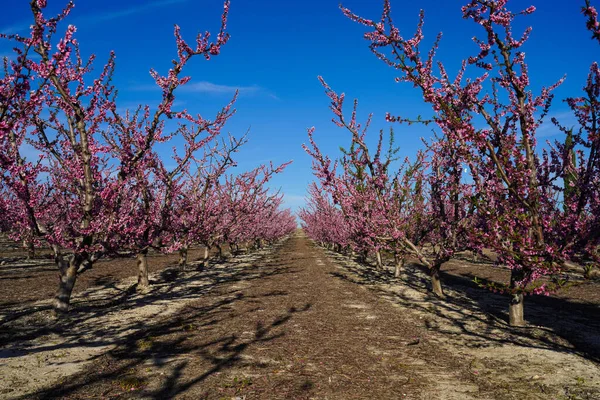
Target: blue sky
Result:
[[278, 48]]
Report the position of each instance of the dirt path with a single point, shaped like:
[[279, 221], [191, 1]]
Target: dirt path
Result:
[[300, 323], [294, 331]]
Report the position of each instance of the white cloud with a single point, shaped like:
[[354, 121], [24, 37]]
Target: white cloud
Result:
[[214, 89], [209, 87], [548, 129]]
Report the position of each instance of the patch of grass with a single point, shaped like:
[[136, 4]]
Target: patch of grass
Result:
[[189, 327], [145, 344], [239, 383], [130, 383], [60, 354]]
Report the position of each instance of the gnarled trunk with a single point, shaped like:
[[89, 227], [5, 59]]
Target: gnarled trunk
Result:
[[68, 268], [183, 256], [142, 264]]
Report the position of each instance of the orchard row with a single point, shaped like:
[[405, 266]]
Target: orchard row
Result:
[[100, 186], [484, 181]]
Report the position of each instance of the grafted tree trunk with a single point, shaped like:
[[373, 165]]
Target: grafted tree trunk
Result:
[[142, 264], [436, 282], [68, 268], [399, 265], [183, 256]]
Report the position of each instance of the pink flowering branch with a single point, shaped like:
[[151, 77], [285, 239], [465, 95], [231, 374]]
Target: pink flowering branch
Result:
[[592, 23]]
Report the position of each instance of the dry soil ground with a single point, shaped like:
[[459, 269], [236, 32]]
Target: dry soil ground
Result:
[[298, 322]]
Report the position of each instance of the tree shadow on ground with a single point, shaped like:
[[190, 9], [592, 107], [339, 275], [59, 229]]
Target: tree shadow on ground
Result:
[[89, 321], [177, 354], [479, 317]]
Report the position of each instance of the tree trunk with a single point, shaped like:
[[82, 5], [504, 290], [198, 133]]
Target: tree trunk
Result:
[[220, 252], [183, 256], [67, 268], [515, 310], [206, 256], [436, 283], [399, 265], [516, 313], [142, 263], [28, 244], [379, 260]]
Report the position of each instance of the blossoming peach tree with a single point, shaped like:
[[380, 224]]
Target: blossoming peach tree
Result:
[[91, 181], [99, 185], [515, 185], [401, 210]]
